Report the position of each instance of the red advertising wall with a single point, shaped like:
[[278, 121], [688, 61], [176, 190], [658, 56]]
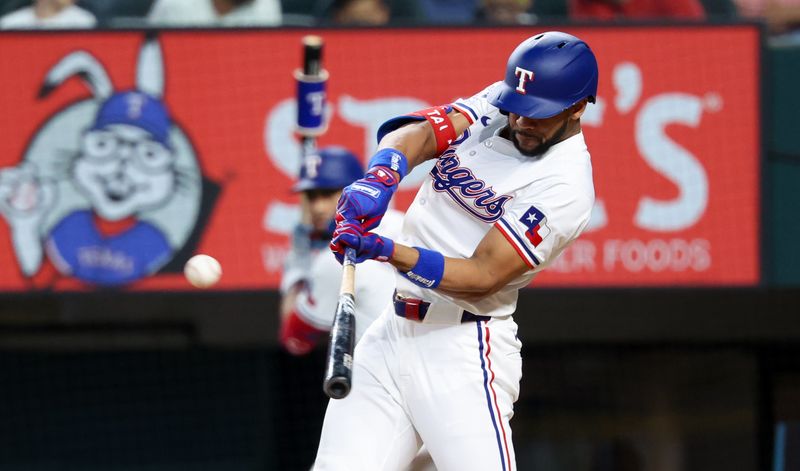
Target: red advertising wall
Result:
[[674, 140]]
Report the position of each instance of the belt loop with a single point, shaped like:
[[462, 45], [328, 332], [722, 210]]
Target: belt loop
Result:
[[412, 309]]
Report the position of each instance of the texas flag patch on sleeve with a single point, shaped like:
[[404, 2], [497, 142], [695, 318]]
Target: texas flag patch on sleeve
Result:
[[525, 238], [536, 222]]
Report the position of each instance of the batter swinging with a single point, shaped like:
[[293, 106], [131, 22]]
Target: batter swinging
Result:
[[442, 364]]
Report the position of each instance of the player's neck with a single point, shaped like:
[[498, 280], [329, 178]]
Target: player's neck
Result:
[[573, 129]]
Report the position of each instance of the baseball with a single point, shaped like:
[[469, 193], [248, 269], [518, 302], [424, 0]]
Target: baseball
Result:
[[202, 271]]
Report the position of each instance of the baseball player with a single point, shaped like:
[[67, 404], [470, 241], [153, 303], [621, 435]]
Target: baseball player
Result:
[[311, 276], [511, 188]]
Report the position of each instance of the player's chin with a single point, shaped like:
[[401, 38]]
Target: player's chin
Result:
[[527, 145], [528, 150]]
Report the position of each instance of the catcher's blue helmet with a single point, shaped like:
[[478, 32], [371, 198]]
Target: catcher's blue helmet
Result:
[[547, 74], [332, 168]]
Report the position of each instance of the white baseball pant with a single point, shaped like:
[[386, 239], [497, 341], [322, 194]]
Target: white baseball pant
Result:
[[451, 386]]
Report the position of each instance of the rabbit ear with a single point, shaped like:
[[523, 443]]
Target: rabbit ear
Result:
[[150, 68], [85, 66]]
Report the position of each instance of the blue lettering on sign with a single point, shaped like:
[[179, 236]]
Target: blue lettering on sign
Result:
[[462, 185]]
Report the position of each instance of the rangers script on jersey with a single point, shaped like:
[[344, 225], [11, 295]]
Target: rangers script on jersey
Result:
[[540, 204]]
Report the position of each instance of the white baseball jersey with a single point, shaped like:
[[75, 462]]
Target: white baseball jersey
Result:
[[540, 204], [374, 286]]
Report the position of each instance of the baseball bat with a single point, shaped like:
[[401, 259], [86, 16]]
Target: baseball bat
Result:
[[339, 367]]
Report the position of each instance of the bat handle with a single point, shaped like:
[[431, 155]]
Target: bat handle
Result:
[[349, 256], [348, 272]]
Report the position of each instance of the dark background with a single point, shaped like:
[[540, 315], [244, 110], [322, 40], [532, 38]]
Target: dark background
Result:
[[613, 380]]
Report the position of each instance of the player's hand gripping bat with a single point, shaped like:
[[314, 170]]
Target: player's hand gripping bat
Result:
[[339, 367]]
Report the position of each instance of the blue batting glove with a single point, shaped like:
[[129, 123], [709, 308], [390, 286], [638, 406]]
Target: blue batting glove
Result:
[[368, 246], [366, 200], [336, 245]]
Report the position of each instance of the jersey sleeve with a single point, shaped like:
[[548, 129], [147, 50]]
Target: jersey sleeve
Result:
[[541, 226], [476, 106]]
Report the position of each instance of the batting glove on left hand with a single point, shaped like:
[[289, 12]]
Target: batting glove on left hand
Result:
[[368, 246], [365, 200]]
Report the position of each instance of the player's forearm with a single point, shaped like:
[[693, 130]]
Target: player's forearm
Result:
[[404, 258], [493, 265], [417, 141], [462, 278], [400, 150], [469, 279]]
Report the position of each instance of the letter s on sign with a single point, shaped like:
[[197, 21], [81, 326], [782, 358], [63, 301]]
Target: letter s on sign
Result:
[[672, 161]]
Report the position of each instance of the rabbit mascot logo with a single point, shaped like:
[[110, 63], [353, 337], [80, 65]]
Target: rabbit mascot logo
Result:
[[109, 189]]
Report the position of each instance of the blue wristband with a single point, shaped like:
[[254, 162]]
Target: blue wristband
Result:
[[429, 269], [390, 158]]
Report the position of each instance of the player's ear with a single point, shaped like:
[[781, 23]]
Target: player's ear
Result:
[[578, 109]]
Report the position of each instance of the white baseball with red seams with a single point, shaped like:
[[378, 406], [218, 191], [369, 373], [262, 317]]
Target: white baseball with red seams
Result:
[[202, 271]]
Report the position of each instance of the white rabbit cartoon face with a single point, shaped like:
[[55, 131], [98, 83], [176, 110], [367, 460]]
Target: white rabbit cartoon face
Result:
[[115, 157], [122, 170]]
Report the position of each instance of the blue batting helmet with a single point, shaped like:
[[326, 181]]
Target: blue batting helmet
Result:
[[545, 75], [332, 168]]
